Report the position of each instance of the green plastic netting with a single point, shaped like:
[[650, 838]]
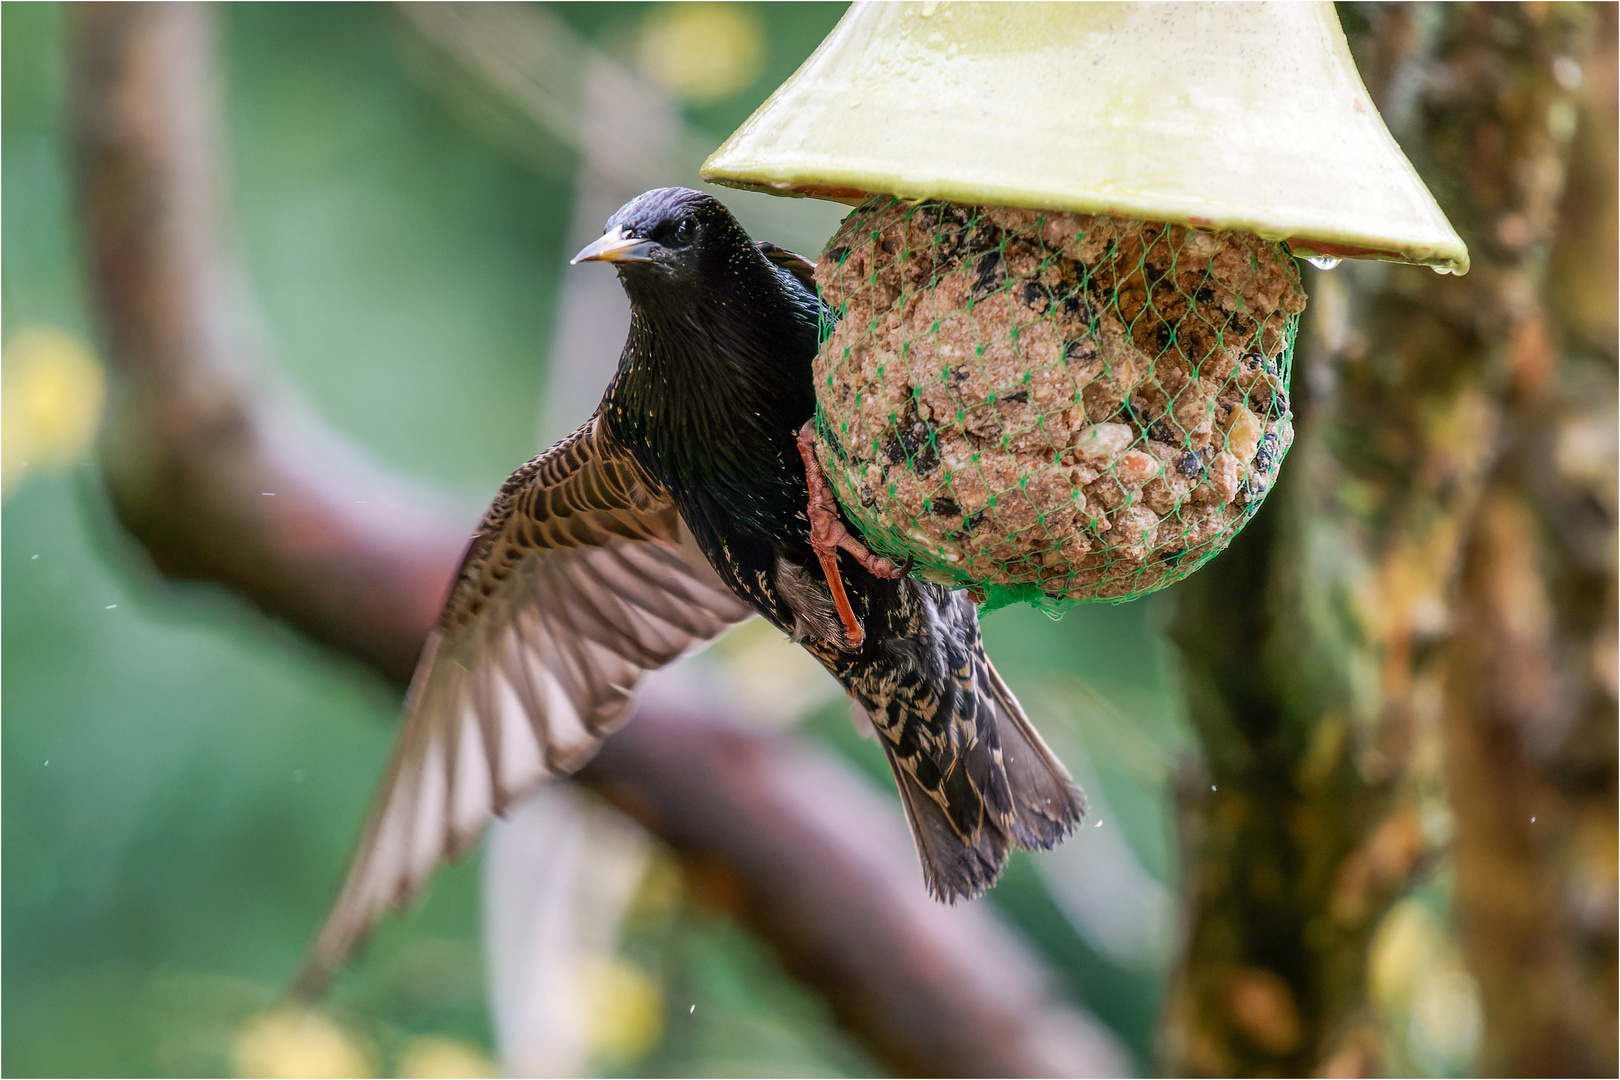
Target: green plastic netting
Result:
[[1051, 407]]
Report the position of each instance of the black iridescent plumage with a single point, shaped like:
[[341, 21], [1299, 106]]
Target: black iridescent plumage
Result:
[[631, 542]]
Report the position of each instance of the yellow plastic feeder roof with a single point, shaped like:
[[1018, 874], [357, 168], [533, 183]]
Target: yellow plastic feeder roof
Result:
[[1222, 115]]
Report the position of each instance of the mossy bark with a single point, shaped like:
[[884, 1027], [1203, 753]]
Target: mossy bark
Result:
[[1410, 653]]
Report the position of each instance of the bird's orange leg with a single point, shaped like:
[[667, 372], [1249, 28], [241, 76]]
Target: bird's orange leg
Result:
[[828, 536]]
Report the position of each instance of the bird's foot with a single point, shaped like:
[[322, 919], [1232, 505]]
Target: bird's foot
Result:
[[828, 537], [826, 529]]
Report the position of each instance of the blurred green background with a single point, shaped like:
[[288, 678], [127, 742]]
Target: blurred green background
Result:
[[183, 778]]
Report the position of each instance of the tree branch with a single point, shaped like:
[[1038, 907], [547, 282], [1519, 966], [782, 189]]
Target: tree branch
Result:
[[222, 477], [219, 474]]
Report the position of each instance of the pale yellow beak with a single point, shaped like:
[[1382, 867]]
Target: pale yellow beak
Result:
[[615, 247]]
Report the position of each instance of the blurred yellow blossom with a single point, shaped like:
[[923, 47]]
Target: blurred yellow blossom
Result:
[[50, 402], [1447, 1019], [1415, 971], [1404, 947], [437, 1056], [701, 52], [292, 1041], [624, 1008]]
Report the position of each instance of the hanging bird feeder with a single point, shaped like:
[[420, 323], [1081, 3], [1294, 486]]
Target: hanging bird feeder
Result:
[[1067, 298]]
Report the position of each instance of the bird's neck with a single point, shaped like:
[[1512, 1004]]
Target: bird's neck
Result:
[[712, 389]]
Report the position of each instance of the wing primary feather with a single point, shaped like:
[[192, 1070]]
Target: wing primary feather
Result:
[[427, 836], [580, 578], [471, 798]]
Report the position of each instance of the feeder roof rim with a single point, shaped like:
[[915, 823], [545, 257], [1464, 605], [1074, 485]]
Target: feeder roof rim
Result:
[[1305, 236]]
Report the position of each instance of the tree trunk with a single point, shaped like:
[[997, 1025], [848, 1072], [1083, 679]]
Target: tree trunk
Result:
[[1409, 655], [1529, 719]]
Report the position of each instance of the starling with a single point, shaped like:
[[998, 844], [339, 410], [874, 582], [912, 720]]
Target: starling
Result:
[[691, 501]]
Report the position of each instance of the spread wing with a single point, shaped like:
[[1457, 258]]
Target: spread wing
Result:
[[797, 265], [581, 577]]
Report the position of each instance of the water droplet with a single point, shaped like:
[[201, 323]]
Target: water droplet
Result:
[[33, 556], [1323, 262], [111, 606], [1212, 787], [1532, 820], [693, 1009], [1096, 825]]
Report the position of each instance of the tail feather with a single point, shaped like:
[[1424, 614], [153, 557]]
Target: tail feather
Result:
[[954, 868], [1047, 805], [974, 775], [975, 778]]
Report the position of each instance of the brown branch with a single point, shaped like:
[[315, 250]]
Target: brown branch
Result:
[[220, 476], [197, 438], [814, 859]]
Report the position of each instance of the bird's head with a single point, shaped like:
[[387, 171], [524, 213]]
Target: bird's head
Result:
[[670, 232]]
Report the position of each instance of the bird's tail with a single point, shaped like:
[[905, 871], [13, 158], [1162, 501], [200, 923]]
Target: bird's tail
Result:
[[1002, 787]]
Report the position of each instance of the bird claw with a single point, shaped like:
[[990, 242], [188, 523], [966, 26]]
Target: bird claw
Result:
[[828, 537]]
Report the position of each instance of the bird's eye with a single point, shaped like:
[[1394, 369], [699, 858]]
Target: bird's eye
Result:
[[685, 231]]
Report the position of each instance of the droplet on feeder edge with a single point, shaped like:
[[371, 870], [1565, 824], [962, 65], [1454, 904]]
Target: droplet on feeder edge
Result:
[[1323, 262]]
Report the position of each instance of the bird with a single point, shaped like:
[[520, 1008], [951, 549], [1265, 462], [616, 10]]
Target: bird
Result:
[[691, 500]]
